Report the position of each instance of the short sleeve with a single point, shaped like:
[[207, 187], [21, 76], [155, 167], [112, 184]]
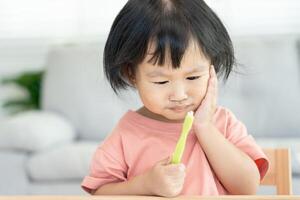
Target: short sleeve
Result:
[[107, 165], [237, 134]]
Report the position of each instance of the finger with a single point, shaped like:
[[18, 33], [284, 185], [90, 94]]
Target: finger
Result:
[[165, 161], [175, 169], [178, 183], [210, 89], [177, 179], [213, 72], [214, 84], [213, 76], [209, 98], [216, 88]]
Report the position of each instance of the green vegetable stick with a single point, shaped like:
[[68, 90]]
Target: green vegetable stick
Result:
[[187, 125]]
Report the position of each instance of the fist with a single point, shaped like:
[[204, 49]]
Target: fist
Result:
[[166, 179]]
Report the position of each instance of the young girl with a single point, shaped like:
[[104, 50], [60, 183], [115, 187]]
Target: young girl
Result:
[[170, 51]]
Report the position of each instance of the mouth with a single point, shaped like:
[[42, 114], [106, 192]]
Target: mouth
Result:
[[179, 109]]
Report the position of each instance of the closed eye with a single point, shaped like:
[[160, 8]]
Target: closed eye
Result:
[[161, 82], [193, 77], [189, 78]]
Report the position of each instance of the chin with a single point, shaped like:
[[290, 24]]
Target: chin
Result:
[[175, 118]]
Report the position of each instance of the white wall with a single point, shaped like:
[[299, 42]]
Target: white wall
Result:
[[265, 17], [56, 18], [77, 18]]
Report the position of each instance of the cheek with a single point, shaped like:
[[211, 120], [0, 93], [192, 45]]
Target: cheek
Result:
[[151, 96]]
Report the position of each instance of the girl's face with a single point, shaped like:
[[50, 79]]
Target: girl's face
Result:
[[167, 93]]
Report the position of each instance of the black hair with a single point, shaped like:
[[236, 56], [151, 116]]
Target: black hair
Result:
[[170, 24]]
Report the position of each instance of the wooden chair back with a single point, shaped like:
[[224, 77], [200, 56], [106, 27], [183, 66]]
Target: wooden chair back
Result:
[[279, 173]]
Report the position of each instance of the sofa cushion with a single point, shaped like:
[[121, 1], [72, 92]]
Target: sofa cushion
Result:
[[13, 177], [34, 131], [75, 87], [265, 92], [68, 162]]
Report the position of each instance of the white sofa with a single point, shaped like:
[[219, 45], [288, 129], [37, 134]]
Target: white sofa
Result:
[[48, 151]]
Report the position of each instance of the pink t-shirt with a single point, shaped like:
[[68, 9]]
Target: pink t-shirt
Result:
[[137, 143]]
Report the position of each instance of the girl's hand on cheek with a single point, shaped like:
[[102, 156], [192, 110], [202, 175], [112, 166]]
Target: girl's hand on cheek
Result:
[[205, 111]]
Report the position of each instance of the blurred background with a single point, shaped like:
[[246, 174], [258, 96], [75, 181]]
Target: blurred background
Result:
[[56, 107]]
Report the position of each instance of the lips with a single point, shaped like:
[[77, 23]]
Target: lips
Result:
[[179, 108]]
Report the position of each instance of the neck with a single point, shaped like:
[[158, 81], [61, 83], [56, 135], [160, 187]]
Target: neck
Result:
[[147, 113]]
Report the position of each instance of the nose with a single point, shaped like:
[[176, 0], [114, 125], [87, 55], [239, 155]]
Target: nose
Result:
[[178, 94]]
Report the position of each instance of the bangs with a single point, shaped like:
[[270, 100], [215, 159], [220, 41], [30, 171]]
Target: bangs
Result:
[[170, 39]]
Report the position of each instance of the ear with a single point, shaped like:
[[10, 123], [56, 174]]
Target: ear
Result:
[[132, 80], [128, 72]]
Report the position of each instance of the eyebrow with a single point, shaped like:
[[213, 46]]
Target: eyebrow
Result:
[[160, 73]]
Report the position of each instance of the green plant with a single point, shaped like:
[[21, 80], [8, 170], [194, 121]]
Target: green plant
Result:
[[30, 82]]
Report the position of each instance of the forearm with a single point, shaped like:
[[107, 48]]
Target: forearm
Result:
[[236, 171], [134, 186]]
